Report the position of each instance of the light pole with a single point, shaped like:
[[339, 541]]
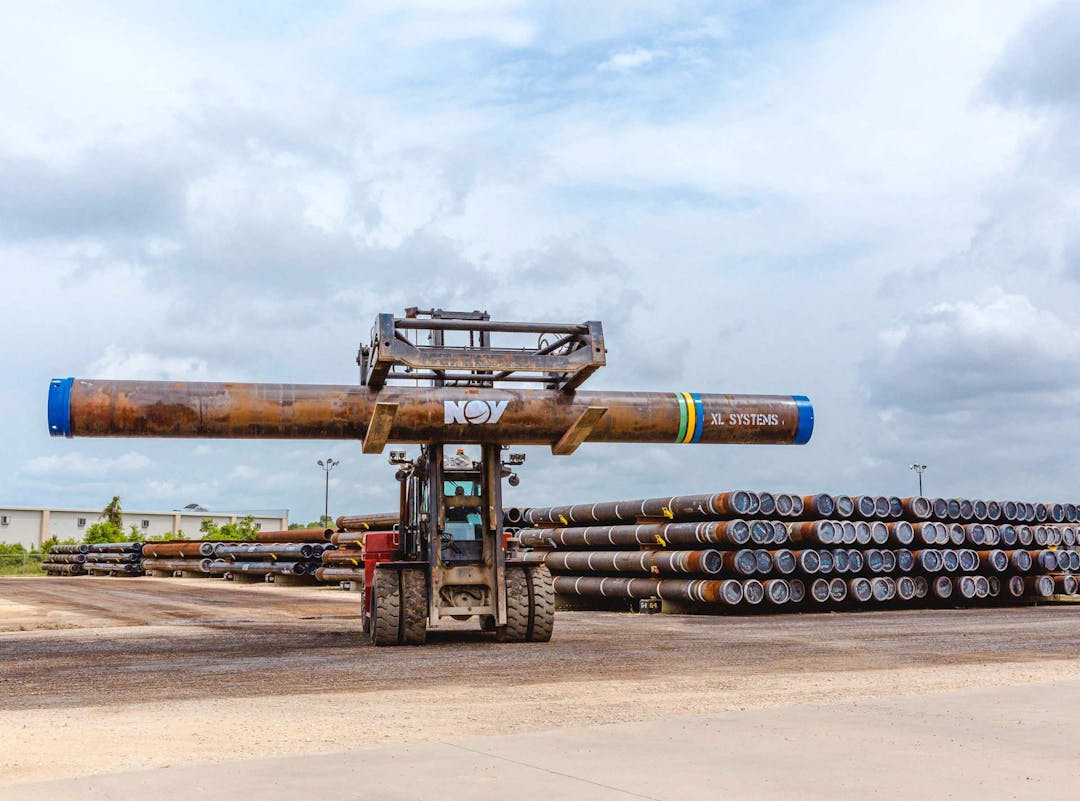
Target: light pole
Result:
[[918, 468], [327, 466]]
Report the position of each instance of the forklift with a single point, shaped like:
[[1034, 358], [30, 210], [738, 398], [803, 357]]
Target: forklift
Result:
[[448, 560]]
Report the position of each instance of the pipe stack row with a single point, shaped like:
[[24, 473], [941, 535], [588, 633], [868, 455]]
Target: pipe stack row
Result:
[[294, 552], [744, 549], [345, 561], [104, 558]]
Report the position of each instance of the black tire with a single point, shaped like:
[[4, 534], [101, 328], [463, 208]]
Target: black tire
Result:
[[542, 601], [386, 607], [414, 609], [487, 622], [517, 607], [365, 618]]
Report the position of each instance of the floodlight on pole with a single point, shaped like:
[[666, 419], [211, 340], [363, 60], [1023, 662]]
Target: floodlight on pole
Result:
[[918, 468], [327, 465]]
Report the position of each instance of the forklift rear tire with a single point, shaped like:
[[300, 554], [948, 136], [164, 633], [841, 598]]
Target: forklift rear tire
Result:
[[386, 607], [542, 602], [414, 606], [517, 607], [365, 618]]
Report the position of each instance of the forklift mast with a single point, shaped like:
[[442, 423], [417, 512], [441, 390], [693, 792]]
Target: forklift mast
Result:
[[453, 553]]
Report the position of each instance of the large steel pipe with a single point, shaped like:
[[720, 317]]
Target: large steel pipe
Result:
[[184, 549], [116, 547], [726, 532], [102, 408], [113, 558], [352, 538], [69, 549], [272, 550], [111, 568], [286, 568], [338, 574], [318, 535], [170, 565], [66, 558], [381, 521], [726, 591], [353, 558], [62, 569], [677, 507], [708, 562]]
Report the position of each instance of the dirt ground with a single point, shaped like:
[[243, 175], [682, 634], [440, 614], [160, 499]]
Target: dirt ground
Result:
[[159, 672]]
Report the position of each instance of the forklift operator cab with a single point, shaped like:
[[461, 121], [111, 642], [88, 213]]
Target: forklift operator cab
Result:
[[463, 532]]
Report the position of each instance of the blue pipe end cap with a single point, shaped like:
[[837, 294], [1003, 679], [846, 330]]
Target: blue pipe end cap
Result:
[[60, 407], [806, 419]]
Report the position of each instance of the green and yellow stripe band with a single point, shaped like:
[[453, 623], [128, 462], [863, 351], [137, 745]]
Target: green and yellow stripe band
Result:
[[691, 417]]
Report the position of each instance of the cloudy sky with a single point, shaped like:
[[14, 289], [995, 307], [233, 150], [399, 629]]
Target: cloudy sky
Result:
[[874, 204]]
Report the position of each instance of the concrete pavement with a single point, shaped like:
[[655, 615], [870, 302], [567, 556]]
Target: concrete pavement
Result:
[[1002, 742]]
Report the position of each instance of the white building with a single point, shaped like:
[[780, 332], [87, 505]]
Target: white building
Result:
[[32, 526]]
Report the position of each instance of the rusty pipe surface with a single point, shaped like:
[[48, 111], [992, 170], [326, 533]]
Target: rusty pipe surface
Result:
[[351, 557], [317, 535], [697, 590], [104, 408], [350, 538], [995, 560], [708, 562], [184, 549], [814, 532], [916, 508], [63, 569], [338, 574], [727, 532], [676, 508], [1041, 586], [380, 521], [820, 505]]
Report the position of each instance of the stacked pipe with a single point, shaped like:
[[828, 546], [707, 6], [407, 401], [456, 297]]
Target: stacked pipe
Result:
[[104, 558], [65, 560], [745, 549], [294, 552], [344, 562], [187, 557]]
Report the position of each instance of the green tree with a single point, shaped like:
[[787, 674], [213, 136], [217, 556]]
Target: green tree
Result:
[[243, 530], [324, 521], [112, 513], [104, 531]]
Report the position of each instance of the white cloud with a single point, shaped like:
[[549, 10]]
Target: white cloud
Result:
[[76, 465], [953, 356], [627, 60], [745, 205], [117, 363]]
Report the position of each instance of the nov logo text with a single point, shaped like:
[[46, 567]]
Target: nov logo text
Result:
[[473, 412]]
